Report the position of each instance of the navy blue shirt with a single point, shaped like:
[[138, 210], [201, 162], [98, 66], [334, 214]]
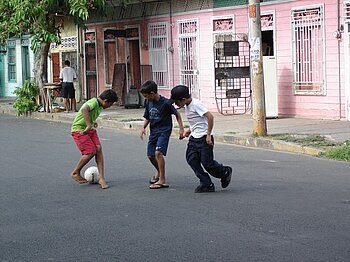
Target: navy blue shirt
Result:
[[159, 115]]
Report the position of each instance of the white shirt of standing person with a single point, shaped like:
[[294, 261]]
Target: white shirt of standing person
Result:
[[68, 74]]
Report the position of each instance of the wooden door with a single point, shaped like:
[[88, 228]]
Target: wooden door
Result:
[[119, 82], [134, 52], [55, 58]]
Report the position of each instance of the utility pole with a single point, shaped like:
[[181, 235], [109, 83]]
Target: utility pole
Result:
[[256, 71]]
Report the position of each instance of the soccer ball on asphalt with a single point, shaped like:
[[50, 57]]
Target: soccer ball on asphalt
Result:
[[91, 175]]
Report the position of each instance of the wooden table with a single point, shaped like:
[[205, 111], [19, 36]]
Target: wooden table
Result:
[[47, 95]]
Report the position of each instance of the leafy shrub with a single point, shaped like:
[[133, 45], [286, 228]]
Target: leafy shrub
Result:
[[26, 98]]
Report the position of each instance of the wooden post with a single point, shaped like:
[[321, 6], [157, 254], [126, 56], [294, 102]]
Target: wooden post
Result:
[[256, 65]]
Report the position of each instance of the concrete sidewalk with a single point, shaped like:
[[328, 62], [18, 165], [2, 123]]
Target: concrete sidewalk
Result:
[[233, 129]]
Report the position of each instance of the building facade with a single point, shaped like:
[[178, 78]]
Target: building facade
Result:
[[16, 65], [66, 50], [305, 46], [204, 44]]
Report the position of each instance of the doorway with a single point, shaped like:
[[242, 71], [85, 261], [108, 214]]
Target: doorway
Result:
[[133, 76], [25, 63], [55, 58], [269, 64], [347, 67], [2, 74], [90, 64]]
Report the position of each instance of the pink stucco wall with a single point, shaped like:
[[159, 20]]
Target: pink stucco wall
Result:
[[320, 106], [330, 105]]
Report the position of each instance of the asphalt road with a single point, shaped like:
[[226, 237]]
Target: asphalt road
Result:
[[279, 207]]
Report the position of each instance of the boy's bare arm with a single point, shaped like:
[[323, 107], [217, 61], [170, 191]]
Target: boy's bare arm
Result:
[[210, 118], [181, 126], [143, 130], [85, 112]]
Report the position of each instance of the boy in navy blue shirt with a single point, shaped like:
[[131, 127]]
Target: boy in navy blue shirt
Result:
[[158, 111]]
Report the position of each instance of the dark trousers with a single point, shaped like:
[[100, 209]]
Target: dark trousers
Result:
[[200, 155]]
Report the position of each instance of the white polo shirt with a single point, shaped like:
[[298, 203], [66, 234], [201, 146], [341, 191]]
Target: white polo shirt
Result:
[[195, 115], [68, 74]]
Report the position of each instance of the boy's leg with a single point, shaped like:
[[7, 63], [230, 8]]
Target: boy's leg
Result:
[[77, 169], [193, 159], [66, 105], [161, 167], [154, 162], [160, 152], [210, 165], [151, 148], [213, 167], [65, 97], [87, 148], [100, 167], [74, 105], [98, 158]]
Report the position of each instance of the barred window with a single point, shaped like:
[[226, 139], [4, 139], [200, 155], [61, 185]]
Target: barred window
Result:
[[158, 52], [223, 30], [308, 50], [11, 55]]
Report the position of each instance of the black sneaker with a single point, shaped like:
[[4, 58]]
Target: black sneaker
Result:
[[226, 180], [205, 189]]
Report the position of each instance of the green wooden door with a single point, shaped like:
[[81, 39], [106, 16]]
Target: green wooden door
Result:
[[25, 63]]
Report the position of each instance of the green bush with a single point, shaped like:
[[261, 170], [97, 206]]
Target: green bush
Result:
[[26, 98]]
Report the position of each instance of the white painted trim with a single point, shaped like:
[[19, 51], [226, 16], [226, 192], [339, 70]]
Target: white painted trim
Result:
[[273, 13], [197, 34], [212, 42], [168, 44]]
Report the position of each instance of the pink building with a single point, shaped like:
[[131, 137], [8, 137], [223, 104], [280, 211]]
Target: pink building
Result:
[[203, 44]]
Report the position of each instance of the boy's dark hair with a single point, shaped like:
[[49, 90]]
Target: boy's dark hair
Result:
[[67, 63], [110, 95], [148, 87], [179, 92]]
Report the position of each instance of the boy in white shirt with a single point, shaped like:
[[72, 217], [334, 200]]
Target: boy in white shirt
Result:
[[199, 153]]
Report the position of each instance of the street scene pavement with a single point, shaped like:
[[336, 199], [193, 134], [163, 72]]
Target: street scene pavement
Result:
[[278, 207], [229, 129]]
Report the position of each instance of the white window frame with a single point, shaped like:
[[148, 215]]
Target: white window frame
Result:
[[195, 90], [164, 53], [311, 67], [222, 32]]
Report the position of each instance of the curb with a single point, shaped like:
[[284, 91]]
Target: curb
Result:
[[135, 126], [277, 145]]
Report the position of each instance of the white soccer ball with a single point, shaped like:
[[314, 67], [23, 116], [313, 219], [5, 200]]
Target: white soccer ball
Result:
[[91, 175]]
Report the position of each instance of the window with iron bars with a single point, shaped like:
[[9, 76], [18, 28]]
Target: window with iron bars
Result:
[[308, 50], [223, 29], [158, 53], [11, 55]]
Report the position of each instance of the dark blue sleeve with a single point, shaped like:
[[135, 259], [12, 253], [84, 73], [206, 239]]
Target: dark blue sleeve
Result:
[[172, 109]]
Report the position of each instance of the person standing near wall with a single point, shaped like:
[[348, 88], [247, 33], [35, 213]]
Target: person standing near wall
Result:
[[67, 75]]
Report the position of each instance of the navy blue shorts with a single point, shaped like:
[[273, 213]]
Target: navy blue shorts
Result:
[[68, 90], [158, 142]]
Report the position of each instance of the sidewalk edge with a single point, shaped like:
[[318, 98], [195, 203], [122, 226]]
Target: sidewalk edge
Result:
[[253, 142]]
